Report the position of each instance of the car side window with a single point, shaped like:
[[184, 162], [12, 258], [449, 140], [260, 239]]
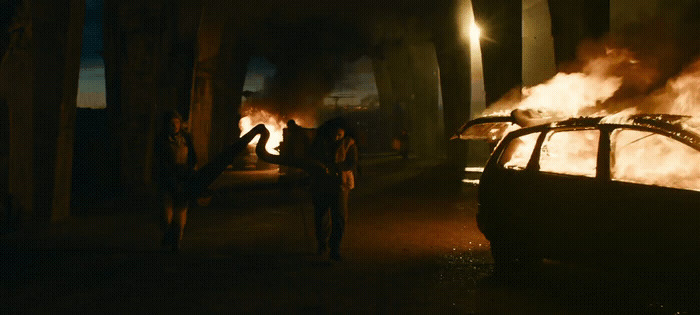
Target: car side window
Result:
[[571, 152], [517, 154], [645, 157]]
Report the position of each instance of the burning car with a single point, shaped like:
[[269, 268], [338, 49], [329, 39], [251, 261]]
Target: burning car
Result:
[[591, 189]]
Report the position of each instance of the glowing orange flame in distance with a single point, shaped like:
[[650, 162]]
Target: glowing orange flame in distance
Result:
[[274, 124]]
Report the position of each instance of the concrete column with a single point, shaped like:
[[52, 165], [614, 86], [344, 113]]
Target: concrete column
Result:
[[200, 115], [224, 81], [4, 154], [221, 62], [57, 35], [49, 25], [575, 20], [225, 107], [112, 47], [136, 119], [41, 66], [139, 37], [16, 73], [414, 75], [386, 101], [6, 20], [66, 133], [453, 55], [425, 112], [397, 58], [501, 45], [206, 56], [538, 46]]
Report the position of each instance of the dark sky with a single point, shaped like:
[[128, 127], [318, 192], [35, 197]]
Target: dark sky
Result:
[[91, 85], [92, 73], [92, 33]]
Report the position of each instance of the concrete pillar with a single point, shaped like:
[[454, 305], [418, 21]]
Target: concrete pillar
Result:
[[538, 46], [200, 114], [453, 55], [16, 73], [66, 132], [573, 21], [112, 46], [208, 40], [7, 14], [414, 75], [387, 101], [219, 76], [227, 89], [139, 39], [4, 154], [41, 66], [396, 58], [501, 45], [425, 110], [6, 20]]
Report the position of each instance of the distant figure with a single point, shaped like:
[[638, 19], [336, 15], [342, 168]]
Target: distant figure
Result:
[[174, 163], [330, 191]]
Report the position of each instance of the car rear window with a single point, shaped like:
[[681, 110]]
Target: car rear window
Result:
[[517, 154], [650, 158], [571, 152]]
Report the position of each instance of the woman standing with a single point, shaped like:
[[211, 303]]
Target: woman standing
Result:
[[174, 163]]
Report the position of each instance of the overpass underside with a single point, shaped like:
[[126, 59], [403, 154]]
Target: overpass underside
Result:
[[193, 56]]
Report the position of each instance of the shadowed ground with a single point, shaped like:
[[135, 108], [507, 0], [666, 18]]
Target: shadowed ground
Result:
[[411, 246]]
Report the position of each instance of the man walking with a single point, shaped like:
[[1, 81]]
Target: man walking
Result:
[[330, 191]]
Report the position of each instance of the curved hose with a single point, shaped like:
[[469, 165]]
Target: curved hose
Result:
[[313, 167], [206, 175]]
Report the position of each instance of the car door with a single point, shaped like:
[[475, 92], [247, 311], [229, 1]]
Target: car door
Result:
[[653, 204], [504, 196], [567, 188]]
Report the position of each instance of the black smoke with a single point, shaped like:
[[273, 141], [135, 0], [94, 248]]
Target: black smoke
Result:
[[309, 56]]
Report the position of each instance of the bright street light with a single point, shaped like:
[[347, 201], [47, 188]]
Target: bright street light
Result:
[[474, 32]]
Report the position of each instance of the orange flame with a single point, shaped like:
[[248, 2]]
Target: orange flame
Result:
[[274, 123], [572, 94], [654, 160], [638, 157], [681, 95]]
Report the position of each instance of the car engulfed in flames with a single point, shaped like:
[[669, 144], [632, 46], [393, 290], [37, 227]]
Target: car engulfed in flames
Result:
[[596, 189]]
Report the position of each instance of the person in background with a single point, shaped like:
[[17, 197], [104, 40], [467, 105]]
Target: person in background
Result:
[[330, 191], [174, 162]]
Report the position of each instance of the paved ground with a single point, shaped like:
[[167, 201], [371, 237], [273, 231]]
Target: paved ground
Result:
[[411, 246]]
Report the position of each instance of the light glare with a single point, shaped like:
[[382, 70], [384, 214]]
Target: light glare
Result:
[[474, 32]]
